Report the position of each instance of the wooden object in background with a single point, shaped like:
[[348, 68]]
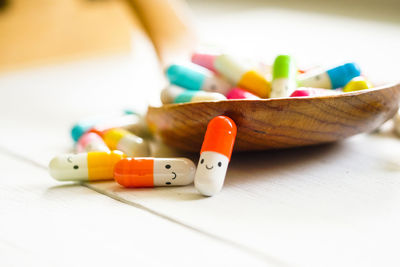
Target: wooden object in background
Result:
[[169, 26], [42, 31], [278, 123]]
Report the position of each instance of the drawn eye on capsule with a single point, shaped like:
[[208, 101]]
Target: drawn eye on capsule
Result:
[[69, 159], [90, 166]]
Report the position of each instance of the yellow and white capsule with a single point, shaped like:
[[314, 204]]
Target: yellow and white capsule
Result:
[[242, 77], [174, 94], [123, 140], [91, 166]]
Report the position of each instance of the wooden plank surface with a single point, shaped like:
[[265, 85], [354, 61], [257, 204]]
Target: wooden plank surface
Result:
[[332, 205], [49, 224]]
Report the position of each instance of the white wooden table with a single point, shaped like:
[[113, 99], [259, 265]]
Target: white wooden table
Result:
[[331, 205]]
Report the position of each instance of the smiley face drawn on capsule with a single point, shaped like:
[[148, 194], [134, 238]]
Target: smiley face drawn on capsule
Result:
[[168, 166], [215, 154], [150, 172], [211, 172], [69, 167], [173, 171]]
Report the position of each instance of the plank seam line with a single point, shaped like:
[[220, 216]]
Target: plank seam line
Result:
[[253, 252]]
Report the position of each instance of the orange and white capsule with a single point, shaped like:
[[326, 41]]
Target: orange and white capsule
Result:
[[123, 140], [150, 172], [91, 166], [215, 155], [91, 142]]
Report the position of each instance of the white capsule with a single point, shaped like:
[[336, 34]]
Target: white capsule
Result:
[[315, 79], [173, 95], [211, 172], [332, 78]]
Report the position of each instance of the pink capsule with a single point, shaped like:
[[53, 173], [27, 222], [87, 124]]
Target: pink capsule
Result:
[[308, 91], [238, 93], [205, 60], [91, 142]]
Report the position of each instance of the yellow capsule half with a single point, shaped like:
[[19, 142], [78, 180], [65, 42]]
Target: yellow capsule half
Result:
[[125, 141], [357, 84]]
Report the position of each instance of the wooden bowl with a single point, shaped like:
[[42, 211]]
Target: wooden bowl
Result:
[[278, 123]]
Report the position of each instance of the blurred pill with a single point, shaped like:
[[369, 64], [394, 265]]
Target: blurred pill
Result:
[[91, 142], [357, 84], [205, 60], [125, 141], [241, 76], [306, 91], [238, 93], [196, 79], [83, 126], [330, 79], [174, 95], [120, 120]]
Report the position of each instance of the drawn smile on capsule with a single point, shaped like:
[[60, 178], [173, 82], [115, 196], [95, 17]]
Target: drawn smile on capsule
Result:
[[209, 168], [174, 175]]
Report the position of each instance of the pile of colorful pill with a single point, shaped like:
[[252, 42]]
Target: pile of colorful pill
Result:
[[117, 149], [110, 149], [212, 77]]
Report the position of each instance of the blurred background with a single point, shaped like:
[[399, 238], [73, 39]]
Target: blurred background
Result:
[[111, 52], [44, 31]]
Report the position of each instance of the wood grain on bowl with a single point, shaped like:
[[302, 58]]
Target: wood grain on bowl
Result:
[[278, 123]]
